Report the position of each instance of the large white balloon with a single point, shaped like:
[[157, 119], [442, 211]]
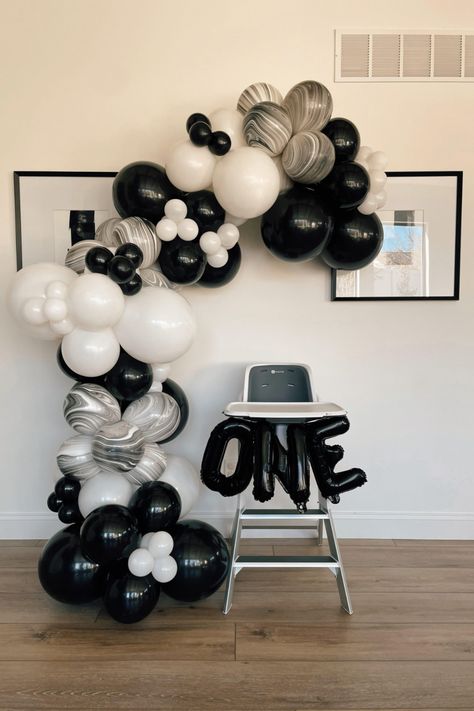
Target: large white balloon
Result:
[[190, 167], [90, 353], [246, 182], [95, 302], [157, 326], [32, 283], [230, 121], [181, 474], [103, 489]]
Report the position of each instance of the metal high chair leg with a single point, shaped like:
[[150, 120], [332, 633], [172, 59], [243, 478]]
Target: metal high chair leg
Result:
[[234, 570]]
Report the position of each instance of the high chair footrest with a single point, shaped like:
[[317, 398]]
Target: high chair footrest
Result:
[[282, 515], [286, 561]]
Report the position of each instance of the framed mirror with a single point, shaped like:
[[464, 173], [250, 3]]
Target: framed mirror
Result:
[[420, 256]]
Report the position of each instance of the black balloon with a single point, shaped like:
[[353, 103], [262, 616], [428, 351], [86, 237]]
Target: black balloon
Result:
[[129, 598], [219, 143], [67, 489], [63, 500], [355, 242], [203, 561], [196, 118], [345, 138], [178, 394], [120, 269], [76, 376], [298, 225], [204, 209], [54, 503], [214, 277], [132, 252], [156, 506], [132, 286], [141, 190], [129, 379], [70, 513], [64, 572], [97, 259], [109, 533], [346, 185], [200, 133], [182, 262]]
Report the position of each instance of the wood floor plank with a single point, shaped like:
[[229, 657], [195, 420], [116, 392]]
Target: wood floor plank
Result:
[[19, 581], [29, 607], [355, 643], [237, 686], [433, 543], [21, 542], [19, 556]]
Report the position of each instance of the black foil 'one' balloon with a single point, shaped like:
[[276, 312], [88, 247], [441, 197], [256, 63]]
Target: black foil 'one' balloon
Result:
[[129, 379], [298, 225], [346, 185], [141, 190], [203, 561], [109, 533], [129, 598], [355, 242], [65, 574], [177, 393], [204, 209], [345, 138], [156, 506], [214, 277], [182, 262]]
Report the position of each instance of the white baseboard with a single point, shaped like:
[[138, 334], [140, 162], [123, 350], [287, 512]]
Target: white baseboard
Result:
[[349, 524]]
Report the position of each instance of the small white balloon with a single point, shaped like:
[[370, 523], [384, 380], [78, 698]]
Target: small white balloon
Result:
[[33, 311], [380, 198], [377, 180], [377, 161], [210, 242], [369, 205], [166, 229], [62, 328], [56, 290], [103, 489], [188, 229], [219, 259], [237, 221], [55, 309], [229, 235], [364, 153], [176, 210], [145, 539], [160, 544], [189, 167], [161, 371], [140, 562], [95, 302], [164, 569]]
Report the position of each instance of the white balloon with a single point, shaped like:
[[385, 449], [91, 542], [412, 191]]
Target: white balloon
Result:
[[103, 489], [140, 562], [230, 121], [160, 544], [176, 210], [33, 311], [380, 198], [246, 182], [181, 474], [161, 371], [164, 569], [95, 302], [56, 290], [285, 181], [62, 328], [229, 235], [190, 167], [157, 326], [377, 160], [90, 353], [364, 153], [377, 180], [369, 205], [166, 229], [237, 221], [210, 242], [219, 259], [145, 539], [188, 229], [55, 309]]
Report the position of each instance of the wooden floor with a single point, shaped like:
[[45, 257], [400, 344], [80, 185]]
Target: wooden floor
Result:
[[285, 646]]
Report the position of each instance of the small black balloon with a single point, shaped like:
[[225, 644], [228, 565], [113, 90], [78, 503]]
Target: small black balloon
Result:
[[67, 489], [200, 133], [156, 506], [347, 185], [64, 572], [132, 252], [182, 262], [54, 503], [298, 225], [196, 118], [97, 259], [129, 379], [132, 286], [109, 533], [99, 380], [214, 277], [142, 190], [120, 269], [69, 513], [355, 242], [220, 143], [177, 393], [129, 598], [345, 138], [203, 561], [204, 209]]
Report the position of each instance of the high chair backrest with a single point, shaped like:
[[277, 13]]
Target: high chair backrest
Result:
[[284, 382]]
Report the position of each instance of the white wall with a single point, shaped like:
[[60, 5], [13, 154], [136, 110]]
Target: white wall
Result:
[[95, 84]]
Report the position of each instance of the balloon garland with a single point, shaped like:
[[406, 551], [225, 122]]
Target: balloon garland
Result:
[[116, 310]]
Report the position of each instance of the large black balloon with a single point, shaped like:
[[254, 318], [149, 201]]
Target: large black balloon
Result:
[[129, 598], [65, 573], [75, 376], [346, 185], [345, 138], [141, 190], [156, 506], [356, 240], [178, 394], [129, 379], [298, 225], [182, 262], [203, 561], [204, 209], [109, 533], [214, 277]]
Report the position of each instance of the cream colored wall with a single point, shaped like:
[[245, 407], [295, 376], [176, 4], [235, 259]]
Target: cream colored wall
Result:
[[95, 84]]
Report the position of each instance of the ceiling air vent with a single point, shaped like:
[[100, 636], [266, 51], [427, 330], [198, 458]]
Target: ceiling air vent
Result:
[[405, 55]]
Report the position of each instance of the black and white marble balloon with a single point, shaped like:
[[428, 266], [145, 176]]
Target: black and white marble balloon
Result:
[[105, 232], [308, 157], [76, 255], [267, 126], [150, 467], [88, 406], [309, 105], [118, 447], [255, 93], [75, 459], [156, 414]]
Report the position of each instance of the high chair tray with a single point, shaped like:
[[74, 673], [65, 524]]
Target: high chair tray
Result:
[[284, 410]]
